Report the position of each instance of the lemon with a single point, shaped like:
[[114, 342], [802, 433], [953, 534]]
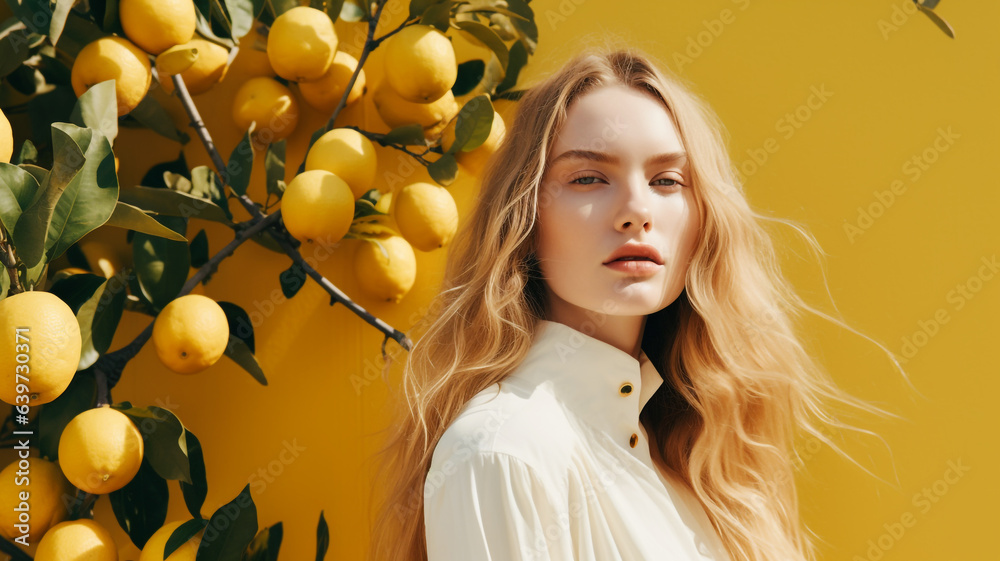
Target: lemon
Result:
[[6, 139], [49, 351], [475, 159], [318, 206], [103, 258], [301, 43], [325, 92], [396, 111], [153, 550], [77, 540], [46, 486], [426, 215], [190, 333], [208, 69], [420, 63], [385, 278], [113, 57], [349, 155], [270, 104], [384, 203], [100, 450], [157, 25]]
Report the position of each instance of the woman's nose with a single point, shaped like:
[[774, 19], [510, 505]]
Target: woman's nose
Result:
[[633, 206]]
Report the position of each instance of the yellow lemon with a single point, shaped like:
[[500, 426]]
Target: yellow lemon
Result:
[[396, 111], [384, 203], [270, 104], [318, 206], [157, 25], [113, 57], [104, 258], [325, 92], [47, 487], [301, 43], [77, 540], [6, 139], [208, 69], [386, 276], [190, 333], [349, 155], [100, 450], [475, 159], [153, 550], [47, 354], [426, 215], [420, 63]]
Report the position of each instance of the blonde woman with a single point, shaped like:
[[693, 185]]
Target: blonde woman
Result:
[[611, 370]]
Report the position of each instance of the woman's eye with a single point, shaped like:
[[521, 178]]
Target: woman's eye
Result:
[[673, 181], [575, 180]]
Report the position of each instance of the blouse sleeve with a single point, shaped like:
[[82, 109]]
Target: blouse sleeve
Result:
[[492, 507]]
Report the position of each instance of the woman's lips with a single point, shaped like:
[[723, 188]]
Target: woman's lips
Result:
[[634, 266]]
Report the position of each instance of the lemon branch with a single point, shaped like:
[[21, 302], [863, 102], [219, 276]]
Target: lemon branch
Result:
[[10, 261], [381, 139], [281, 236], [15, 552]]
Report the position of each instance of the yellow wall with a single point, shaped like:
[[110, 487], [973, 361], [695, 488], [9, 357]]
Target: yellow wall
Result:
[[888, 94]]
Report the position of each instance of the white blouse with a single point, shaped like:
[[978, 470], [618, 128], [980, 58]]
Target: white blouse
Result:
[[552, 463]]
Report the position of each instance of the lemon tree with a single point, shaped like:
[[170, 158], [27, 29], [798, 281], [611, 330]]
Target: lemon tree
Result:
[[139, 64]]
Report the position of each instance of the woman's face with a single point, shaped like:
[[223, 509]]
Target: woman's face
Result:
[[616, 175]]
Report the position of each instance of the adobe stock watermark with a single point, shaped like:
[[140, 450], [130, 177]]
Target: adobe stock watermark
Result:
[[923, 501], [957, 297], [266, 475], [913, 168], [787, 125], [698, 43], [902, 11]]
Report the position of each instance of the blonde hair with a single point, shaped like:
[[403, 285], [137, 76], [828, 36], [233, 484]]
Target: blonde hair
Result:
[[739, 384]]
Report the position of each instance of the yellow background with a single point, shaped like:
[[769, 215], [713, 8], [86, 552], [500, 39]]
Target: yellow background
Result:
[[892, 81]]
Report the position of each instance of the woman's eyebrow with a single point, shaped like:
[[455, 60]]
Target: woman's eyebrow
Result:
[[604, 157]]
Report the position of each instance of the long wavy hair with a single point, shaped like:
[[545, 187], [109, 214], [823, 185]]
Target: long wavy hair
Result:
[[739, 385]]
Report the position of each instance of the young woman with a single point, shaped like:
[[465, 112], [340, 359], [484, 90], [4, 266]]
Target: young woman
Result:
[[611, 370]]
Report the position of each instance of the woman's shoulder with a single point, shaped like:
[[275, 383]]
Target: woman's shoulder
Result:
[[506, 418]]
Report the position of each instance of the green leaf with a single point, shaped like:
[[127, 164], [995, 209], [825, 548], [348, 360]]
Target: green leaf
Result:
[[526, 26], [322, 538], [479, 33], [282, 6], [239, 353], [206, 183], [110, 20], [59, 15], [17, 189], [30, 233], [141, 505], [265, 544], [407, 135], [199, 250], [196, 491], [237, 524], [419, 7], [475, 120], [353, 10], [98, 318], [938, 21], [239, 323], [161, 265], [152, 115], [164, 437], [80, 396], [274, 168], [89, 199], [241, 164], [292, 279], [518, 60], [444, 169], [470, 73], [173, 203], [97, 108], [241, 14], [28, 153], [438, 15], [181, 535], [133, 218], [331, 7], [75, 290], [15, 48], [4, 284]]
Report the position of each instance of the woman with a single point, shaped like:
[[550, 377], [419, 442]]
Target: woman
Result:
[[610, 370]]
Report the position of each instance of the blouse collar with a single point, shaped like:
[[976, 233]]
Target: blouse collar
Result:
[[599, 382]]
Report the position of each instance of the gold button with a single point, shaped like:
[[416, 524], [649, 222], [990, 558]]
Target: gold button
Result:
[[633, 440], [626, 388]]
